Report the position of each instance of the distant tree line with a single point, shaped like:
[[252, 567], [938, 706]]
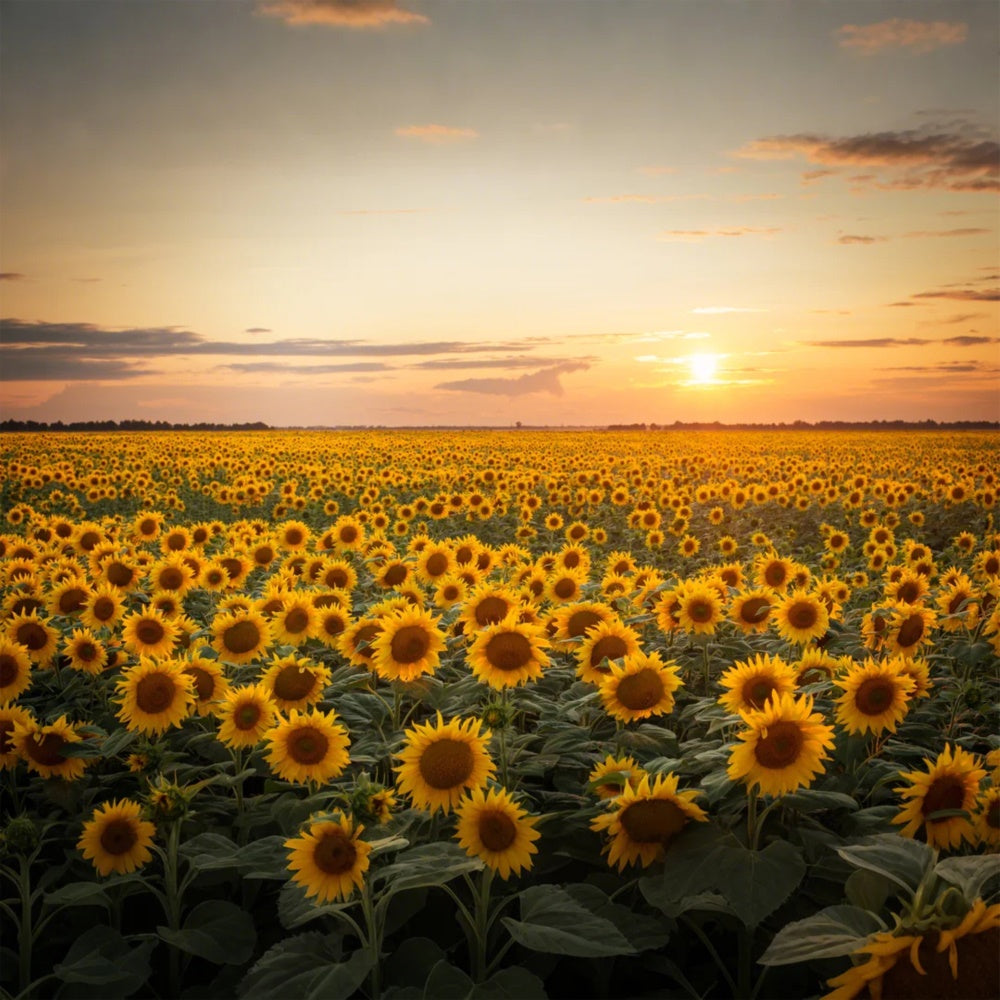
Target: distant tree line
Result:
[[23, 426], [820, 425]]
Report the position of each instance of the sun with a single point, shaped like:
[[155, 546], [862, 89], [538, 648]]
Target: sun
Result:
[[703, 368]]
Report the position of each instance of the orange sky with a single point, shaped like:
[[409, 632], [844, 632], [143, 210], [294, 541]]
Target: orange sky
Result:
[[369, 212]]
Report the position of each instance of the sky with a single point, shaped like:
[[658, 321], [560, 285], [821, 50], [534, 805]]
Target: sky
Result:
[[449, 212]]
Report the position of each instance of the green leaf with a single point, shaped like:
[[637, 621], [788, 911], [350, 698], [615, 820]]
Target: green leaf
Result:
[[100, 956], [78, 894], [216, 930], [868, 889], [307, 967], [898, 858], [412, 960], [553, 921], [834, 931], [447, 982], [642, 931], [815, 800], [970, 874], [296, 909], [215, 852], [425, 866]]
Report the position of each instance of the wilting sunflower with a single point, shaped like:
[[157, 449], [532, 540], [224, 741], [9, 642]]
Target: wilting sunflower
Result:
[[296, 621], [85, 652], [509, 653], [609, 641], [876, 696], [783, 746], [908, 629], [751, 610], [155, 695], [149, 633], [408, 645], [699, 608], [209, 682], [307, 746], [609, 777], [491, 826], [117, 838], [295, 682], [443, 760], [950, 783], [960, 961], [11, 716], [42, 747], [240, 638], [641, 687], [750, 683], [329, 859], [801, 617], [35, 635], [645, 819], [245, 714], [15, 670]]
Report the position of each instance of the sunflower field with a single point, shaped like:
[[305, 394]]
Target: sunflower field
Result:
[[516, 714]]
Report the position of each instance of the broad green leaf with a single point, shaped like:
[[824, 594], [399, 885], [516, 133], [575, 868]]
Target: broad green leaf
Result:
[[970, 874], [553, 921], [216, 930], [78, 894], [868, 889], [425, 866], [215, 852], [100, 956], [306, 967], [412, 960], [642, 931], [815, 799], [898, 858], [296, 909], [834, 931], [447, 982]]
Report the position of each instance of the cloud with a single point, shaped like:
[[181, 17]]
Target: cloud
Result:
[[12, 276], [930, 233], [436, 134], [951, 367], [24, 366], [967, 341], [340, 13], [962, 294], [442, 364], [903, 342], [698, 235], [546, 380], [900, 33], [276, 368], [848, 239], [910, 159], [257, 329]]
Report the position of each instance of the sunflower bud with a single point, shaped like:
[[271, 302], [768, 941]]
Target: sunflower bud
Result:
[[20, 836]]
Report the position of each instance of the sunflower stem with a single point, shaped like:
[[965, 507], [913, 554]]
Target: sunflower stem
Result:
[[482, 921], [752, 828], [374, 942], [707, 663], [27, 932], [710, 948], [172, 903], [745, 971]]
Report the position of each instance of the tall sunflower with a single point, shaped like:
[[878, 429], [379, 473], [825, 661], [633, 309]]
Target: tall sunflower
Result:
[[494, 828], [801, 617], [240, 637], [155, 695], [42, 747], [408, 645], [876, 696], [783, 746], [641, 687], [508, 653], [149, 633], [643, 821], [441, 761], [15, 670], [750, 683], [245, 714], [308, 746], [950, 783], [329, 858], [117, 838]]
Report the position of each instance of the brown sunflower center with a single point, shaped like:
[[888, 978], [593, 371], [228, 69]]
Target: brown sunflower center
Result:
[[611, 646], [446, 763], [700, 610], [88, 540], [294, 536], [946, 792], [874, 695], [335, 852], [171, 578], [149, 631], [908, 592], [25, 605], [757, 690], [233, 567], [803, 615], [204, 682], [86, 651], [307, 745], [491, 610], [241, 637], [779, 746], [297, 620], [436, 564], [580, 621], [754, 610], [348, 534], [247, 716], [118, 837], [176, 541], [775, 575], [32, 635], [409, 644], [46, 751], [72, 600], [508, 651], [395, 575], [641, 690], [910, 632], [336, 577], [147, 526], [334, 624], [565, 588], [9, 669], [652, 821], [496, 830], [294, 683], [363, 638], [155, 693]]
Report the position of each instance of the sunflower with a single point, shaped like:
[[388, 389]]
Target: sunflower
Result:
[[11, 716], [565, 585], [608, 778], [642, 821], [69, 597], [171, 573], [441, 761], [85, 651], [783, 746], [42, 747], [155, 695], [801, 617], [117, 838], [909, 588], [329, 859], [959, 604], [876, 696], [571, 621], [951, 783], [209, 682], [240, 638], [449, 591], [296, 621], [35, 635], [307, 746], [295, 682], [487, 604], [149, 633], [491, 826], [699, 608], [245, 714], [750, 683], [15, 670], [751, 610], [347, 534], [213, 577], [338, 574], [508, 653], [960, 961], [909, 628], [612, 640], [408, 645], [773, 572], [642, 686], [293, 535], [987, 818], [814, 665], [355, 642]]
